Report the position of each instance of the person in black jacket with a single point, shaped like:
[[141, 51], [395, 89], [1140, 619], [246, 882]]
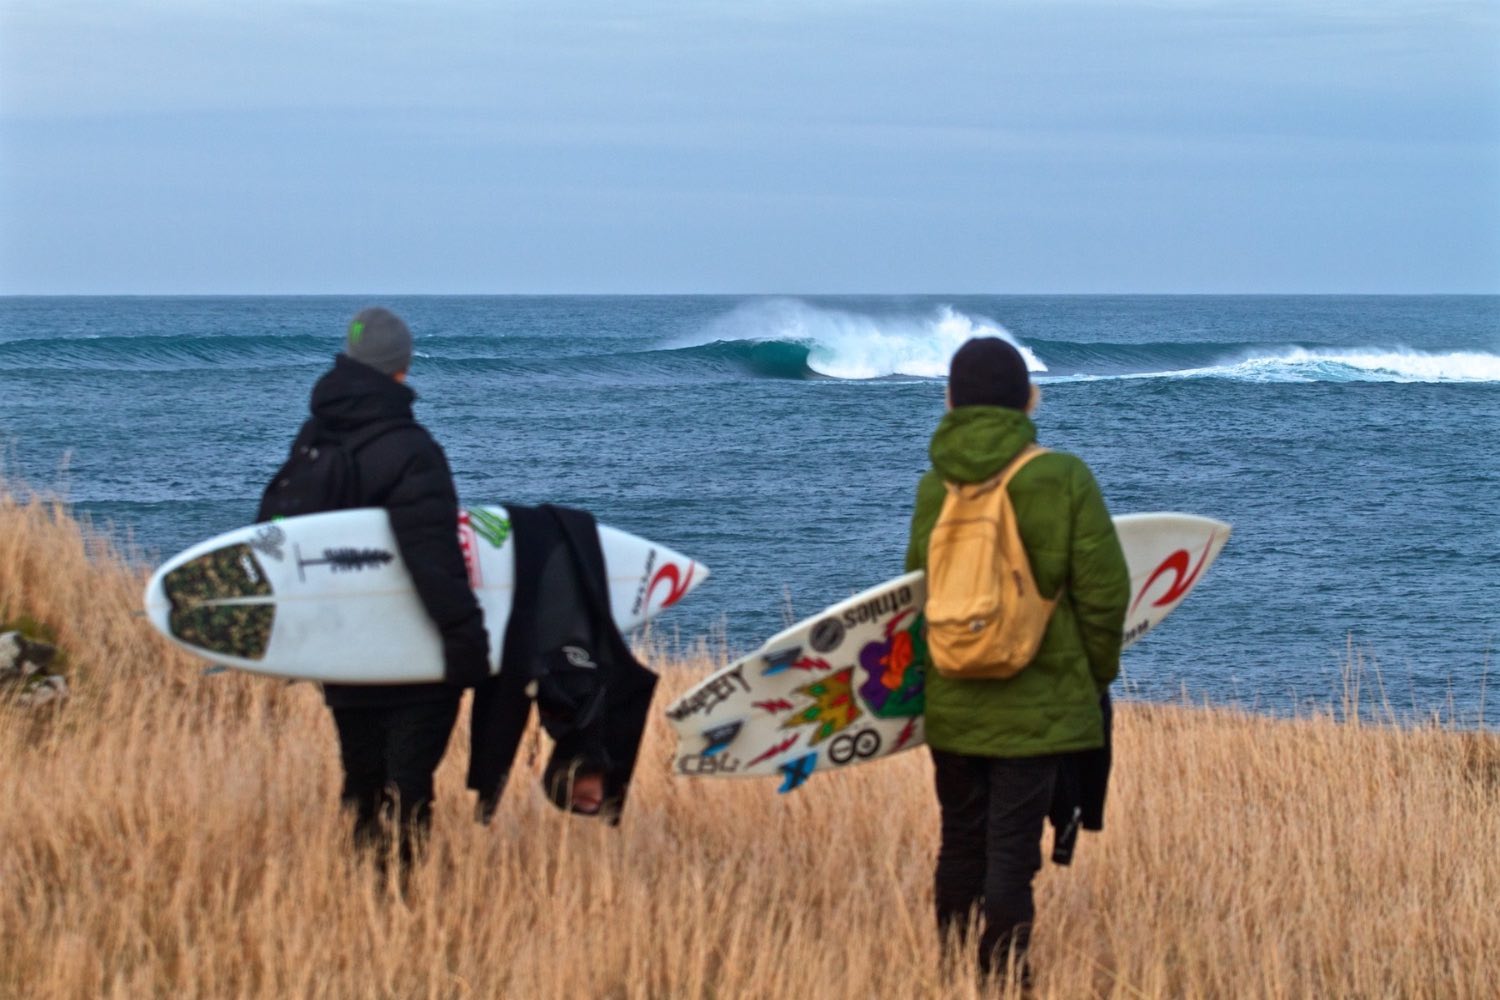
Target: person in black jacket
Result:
[[392, 737]]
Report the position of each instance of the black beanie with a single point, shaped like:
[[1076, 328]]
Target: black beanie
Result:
[[987, 371]]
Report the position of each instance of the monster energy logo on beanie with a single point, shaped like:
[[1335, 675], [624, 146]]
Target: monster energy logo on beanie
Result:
[[378, 338]]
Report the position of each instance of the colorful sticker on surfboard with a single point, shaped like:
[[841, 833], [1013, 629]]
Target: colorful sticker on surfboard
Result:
[[845, 686]]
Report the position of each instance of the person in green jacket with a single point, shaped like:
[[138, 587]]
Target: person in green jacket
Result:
[[998, 745]]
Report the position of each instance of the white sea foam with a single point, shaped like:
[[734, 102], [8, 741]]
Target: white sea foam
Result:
[[849, 345], [1373, 364], [1355, 364]]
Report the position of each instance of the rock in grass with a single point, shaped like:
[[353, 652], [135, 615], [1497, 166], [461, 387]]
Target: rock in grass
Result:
[[23, 666], [42, 689]]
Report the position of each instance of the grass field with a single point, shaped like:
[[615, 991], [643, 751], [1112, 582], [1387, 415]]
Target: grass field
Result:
[[169, 834]]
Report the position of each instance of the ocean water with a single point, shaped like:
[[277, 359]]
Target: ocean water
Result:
[[1351, 441]]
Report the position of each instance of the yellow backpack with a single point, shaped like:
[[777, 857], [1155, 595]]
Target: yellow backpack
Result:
[[985, 616]]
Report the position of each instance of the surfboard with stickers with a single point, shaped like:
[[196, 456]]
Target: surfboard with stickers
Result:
[[326, 597], [844, 686]]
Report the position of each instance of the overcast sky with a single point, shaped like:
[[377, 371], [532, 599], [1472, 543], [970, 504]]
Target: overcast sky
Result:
[[788, 146]]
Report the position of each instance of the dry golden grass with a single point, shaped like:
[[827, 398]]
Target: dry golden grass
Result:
[[168, 834]]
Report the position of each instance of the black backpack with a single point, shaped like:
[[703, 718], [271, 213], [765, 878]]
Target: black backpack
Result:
[[321, 473]]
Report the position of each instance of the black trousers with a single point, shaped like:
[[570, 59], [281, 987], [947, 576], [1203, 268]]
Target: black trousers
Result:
[[389, 755], [992, 815]]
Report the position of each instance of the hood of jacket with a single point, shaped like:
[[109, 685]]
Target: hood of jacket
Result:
[[352, 395], [972, 443]]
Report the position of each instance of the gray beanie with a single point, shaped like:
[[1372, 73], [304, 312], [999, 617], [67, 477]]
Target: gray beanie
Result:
[[378, 338]]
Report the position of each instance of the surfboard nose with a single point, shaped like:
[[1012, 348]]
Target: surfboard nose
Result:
[[154, 602]]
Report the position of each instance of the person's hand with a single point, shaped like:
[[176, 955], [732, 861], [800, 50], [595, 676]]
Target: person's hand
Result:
[[466, 656]]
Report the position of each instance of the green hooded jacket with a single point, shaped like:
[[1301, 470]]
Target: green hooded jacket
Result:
[[1052, 706]]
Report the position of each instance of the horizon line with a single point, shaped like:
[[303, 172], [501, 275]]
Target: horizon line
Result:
[[734, 294]]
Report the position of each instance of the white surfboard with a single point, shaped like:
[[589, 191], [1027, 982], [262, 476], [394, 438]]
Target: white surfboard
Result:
[[845, 686], [326, 597]]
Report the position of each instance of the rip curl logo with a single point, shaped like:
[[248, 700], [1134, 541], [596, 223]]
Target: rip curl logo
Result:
[[356, 332], [579, 657], [677, 584], [1182, 580]]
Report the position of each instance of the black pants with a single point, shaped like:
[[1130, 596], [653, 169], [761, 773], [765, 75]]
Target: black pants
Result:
[[993, 809], [389, 755]]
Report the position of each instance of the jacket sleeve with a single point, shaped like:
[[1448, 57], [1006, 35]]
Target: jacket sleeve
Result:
[[930, 495], [1099, 580], [423, 508]]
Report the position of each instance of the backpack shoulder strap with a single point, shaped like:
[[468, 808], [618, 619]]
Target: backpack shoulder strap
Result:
[[1016, 464]]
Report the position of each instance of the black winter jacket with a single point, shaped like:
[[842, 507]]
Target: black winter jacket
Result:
[[561, 607], [405, 471]]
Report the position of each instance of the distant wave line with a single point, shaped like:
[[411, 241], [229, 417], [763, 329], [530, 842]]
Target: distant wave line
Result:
[[1296, 364], [792, 341]]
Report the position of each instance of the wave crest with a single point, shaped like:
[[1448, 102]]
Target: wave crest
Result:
[[847, 345], [163, 352]]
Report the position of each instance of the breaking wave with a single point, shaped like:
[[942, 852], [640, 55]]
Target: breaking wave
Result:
[[794, 339], [782, 334]]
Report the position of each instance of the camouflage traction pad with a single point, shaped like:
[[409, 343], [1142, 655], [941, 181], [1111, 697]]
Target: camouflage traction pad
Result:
[[241, 630]]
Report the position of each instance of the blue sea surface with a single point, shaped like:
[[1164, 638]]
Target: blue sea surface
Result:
[[1351, 441]]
